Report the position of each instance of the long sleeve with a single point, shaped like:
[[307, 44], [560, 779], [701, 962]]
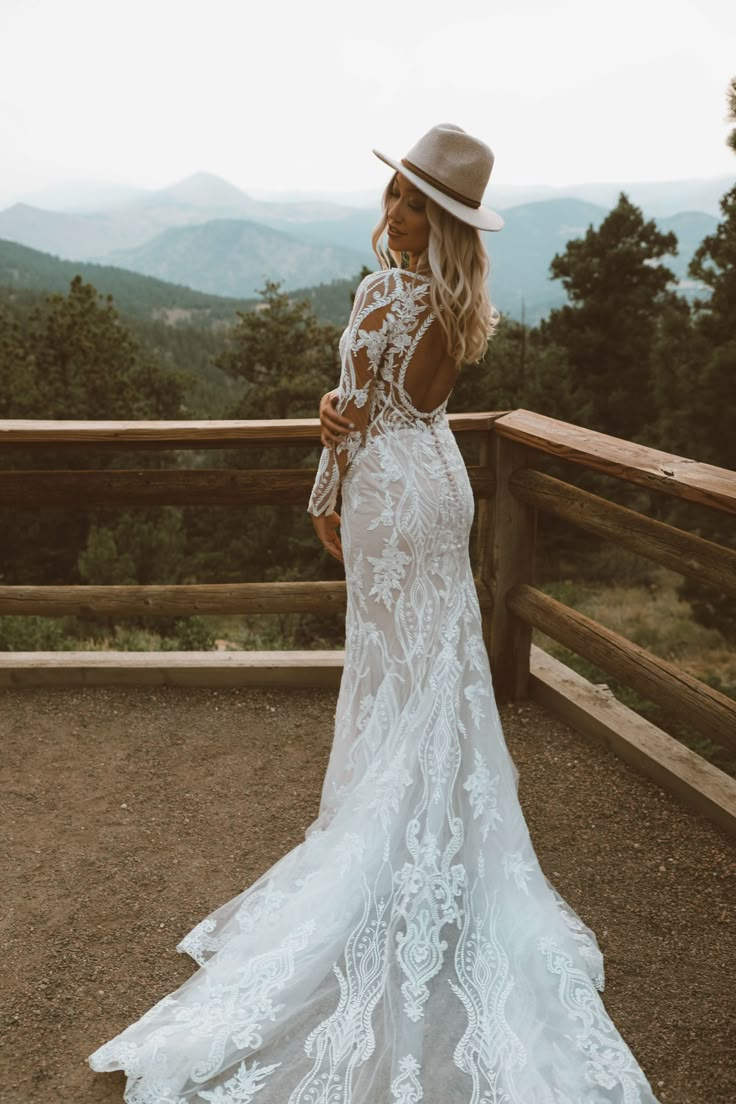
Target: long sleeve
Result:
[[362, 347]]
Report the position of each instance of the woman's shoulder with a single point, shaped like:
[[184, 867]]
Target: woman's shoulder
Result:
[[392, 283], [392, 301]]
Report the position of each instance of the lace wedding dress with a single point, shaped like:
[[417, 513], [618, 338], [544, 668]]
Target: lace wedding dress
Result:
[[411, 948]]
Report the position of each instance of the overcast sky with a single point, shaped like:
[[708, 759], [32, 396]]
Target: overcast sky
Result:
[[286, 95]]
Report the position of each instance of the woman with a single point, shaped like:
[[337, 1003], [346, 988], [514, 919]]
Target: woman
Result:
[[411, 948]]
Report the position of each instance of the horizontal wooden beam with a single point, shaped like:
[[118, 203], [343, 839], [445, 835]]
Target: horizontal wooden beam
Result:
[[20, 433], [596, 713], [107, 668], [176, 487], [664, 544], [181, 601], [678, 693], [660, 471]]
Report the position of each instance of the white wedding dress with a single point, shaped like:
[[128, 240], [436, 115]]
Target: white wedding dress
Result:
[[411, 948]]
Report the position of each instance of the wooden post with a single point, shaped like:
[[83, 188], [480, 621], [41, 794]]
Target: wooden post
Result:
[[512, 538], [484, 509]]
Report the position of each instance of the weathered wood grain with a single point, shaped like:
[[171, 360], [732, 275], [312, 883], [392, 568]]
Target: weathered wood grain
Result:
[[175, 487], [512, 561], [661, 471], [679, 694], [20, 433], [664, 544], [599, 715], [181, 600]]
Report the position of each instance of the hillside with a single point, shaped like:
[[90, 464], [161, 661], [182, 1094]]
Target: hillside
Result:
[[234, 257], [135, 295]]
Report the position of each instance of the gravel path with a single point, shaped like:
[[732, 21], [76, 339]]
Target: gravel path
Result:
[[131, 813]]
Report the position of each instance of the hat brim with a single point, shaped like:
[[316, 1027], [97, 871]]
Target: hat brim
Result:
[[482, 218]]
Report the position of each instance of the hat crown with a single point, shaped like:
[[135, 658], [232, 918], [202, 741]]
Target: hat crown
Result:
[[454, 158]]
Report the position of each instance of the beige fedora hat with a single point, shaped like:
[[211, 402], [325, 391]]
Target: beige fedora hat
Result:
[[453, 168]]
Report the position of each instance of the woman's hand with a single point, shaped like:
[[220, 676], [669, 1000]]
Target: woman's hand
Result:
[[334, 426], [325, 527]]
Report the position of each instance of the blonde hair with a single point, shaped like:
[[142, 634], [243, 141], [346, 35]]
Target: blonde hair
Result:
[[457, 258]]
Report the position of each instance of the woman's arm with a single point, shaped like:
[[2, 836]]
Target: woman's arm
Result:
[[362, 352]]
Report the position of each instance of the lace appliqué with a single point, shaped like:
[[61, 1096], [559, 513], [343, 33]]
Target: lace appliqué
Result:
[[489, 1049], [516, 867], [427, 890], [241, 1088], [406, 1087], [345, 1038], [374, 359], [198, 944], [589, 950], [388, 571], [483, 795], [610, 1063]]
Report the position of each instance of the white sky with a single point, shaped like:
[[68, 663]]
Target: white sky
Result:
[[292, 94]]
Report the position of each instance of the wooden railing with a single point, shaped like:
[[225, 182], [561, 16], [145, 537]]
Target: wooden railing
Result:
[[509, 491], [181, 486], [527, 437]]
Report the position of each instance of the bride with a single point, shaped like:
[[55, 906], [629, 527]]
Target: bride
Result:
[[411, 948]]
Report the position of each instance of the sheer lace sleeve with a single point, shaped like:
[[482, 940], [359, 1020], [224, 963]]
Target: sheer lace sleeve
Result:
[[361, 348]]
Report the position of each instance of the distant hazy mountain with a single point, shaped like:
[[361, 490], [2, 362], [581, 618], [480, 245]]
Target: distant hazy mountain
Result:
[[689, 227], [198, 199], [94, 220], [139, 296], [352, 231], [656, 197], [62, 232], [234, 257], [214, 197]]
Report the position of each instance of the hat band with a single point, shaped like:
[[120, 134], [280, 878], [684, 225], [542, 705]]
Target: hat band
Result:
[[425, 176]]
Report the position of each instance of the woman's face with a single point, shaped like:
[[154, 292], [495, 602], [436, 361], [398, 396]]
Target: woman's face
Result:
[[408, 225]]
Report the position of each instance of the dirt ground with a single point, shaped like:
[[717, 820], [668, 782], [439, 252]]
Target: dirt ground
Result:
[[129, 814]]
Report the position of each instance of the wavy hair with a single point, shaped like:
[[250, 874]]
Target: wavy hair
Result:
[[457, 258]]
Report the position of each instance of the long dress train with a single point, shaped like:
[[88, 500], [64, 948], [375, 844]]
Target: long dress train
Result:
[[411, 948]]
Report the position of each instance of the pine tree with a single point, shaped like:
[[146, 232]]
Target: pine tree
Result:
[[285, 355], [617, 290], [714, 386], [711, 402]]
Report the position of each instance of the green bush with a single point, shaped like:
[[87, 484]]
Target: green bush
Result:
[[35, 634], [188, 634]]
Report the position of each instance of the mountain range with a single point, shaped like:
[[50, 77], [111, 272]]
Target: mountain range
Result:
[[656, 197], [207, 235], [92, 235], [235, 257]]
